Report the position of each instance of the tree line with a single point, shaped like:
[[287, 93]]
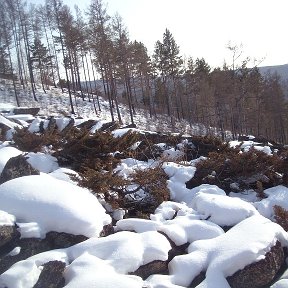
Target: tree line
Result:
[[70, 49]]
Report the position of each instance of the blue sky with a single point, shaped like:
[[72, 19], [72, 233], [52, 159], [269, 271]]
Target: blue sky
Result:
[[203, 28]]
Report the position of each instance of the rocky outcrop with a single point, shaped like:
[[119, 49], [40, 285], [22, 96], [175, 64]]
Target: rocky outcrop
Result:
[[87, 124], [110, 126], [8, 235], [17, 167], [260, 273], [52, 275], [154, 267], [25, 110], [31, 246], [59, 240]]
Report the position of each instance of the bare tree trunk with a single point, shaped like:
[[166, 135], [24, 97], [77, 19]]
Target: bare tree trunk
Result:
[[95, 83], [50, 51]]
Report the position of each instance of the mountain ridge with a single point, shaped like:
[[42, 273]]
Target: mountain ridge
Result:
[[281, 70]]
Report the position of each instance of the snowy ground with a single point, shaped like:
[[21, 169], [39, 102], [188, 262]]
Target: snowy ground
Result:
[[55, 103], [53, 202]]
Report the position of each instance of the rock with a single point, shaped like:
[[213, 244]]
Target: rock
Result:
[[154, 267], [33, 246], [110, 126], [52, 125], [26, 110], [28, 248], [87, 124], [68, 127], [3, 130], [260, 273], [52, 275], [107, 230], [8, 235], [129, 126], [59, 240], [17, 167]]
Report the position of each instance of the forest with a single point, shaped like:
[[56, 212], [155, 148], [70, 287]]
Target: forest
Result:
[[89, 54]]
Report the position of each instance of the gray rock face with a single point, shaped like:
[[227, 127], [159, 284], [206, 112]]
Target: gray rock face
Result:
[[33, 246], [8, 234], [52, 275], [261, 273], [17, 167], [154, 267]]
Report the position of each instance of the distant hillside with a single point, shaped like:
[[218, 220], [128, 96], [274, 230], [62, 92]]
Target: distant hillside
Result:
[[282, 70]]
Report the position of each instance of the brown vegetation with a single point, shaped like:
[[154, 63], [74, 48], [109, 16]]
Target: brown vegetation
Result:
[[281, 216], [249, 170]]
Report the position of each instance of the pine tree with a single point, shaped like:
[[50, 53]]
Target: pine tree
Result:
[[168, 63], [41, 61]]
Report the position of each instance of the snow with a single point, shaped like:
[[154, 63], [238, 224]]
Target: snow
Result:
[[63, 174], [93, 260], [185, 229], [125, 251], [11, 278], [179, 175], [54, 204], [34, 126], [6, 219], [51, 201], [181, 230], [21, 117], [62, 122], [8, 123], [42, 162], [247, 145], [121, 132], [216, 208], [92, 272], [29, 230], [276, 196], [129, 165], [240, 246]]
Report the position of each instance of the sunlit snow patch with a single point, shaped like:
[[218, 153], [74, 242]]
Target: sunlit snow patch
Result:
[[276, 196]]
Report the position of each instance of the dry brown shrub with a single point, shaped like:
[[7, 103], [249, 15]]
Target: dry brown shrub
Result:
[[247, 169], [203, 145], [96, 151], [281, 216], [151, 183], [32, 142]]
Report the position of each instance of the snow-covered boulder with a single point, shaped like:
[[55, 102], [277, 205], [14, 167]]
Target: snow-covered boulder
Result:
[[42, 162], [17, 167], [96, 262], [54, 205], [6, 153], [215, 208], [275, 196], [242, 245]]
